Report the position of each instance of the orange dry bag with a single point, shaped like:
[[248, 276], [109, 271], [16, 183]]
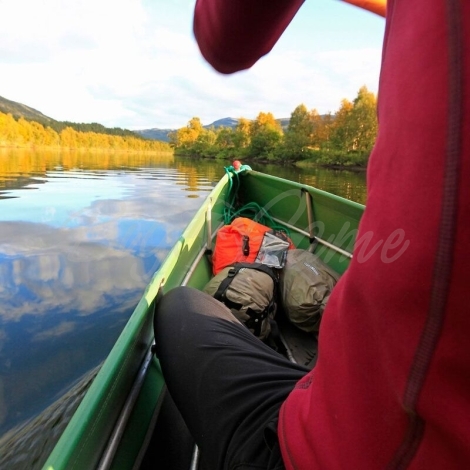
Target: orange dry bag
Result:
[[238, 242]]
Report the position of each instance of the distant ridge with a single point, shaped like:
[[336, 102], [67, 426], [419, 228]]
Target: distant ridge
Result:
[[18, 110], [224, 122], [155, 134], [162, 134]]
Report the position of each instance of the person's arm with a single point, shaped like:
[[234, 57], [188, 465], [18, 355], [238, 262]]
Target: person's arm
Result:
[[233, 34]]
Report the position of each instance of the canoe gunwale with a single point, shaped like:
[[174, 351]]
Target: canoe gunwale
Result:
[[204, 250], [119, 427]]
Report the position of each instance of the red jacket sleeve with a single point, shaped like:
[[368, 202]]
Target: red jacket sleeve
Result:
[[233, 35]]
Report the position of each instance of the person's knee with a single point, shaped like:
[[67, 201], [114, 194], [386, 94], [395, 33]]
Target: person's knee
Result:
[[182, 303], [169, 306], [185, 315], [176, 297]]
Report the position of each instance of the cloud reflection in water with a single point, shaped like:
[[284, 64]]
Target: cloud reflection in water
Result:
[[70, 278]]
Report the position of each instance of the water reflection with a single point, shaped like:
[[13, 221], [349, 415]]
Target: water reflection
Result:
[[77, 248], [348, 184], [29, 444], [80, 236]]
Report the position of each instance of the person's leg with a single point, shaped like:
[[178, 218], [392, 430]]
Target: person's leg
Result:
[[227, 384]]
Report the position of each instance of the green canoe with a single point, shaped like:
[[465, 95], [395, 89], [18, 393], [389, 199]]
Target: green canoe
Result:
[[126, 419]]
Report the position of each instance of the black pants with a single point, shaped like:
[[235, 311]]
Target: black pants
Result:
[[226, 383]]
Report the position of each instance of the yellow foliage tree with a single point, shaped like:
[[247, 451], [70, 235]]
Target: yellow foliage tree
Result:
[[23, 133]]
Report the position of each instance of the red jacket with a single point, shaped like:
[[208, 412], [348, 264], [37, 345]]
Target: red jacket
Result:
[[391, 388]]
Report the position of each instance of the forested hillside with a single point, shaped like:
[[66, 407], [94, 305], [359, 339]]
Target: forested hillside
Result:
[[19, 110], [31, 134], [344, 138]]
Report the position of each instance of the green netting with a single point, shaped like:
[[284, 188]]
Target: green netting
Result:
[[251, 210]]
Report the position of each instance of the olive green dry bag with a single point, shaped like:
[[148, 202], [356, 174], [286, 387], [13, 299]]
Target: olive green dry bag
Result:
[[249, 291], [305, 285]]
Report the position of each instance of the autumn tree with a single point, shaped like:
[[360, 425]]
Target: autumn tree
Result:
[[187, 136], [68, 138], [342, 128], [9, 132], [266, 134], [24, 133], [242, 134], [324, 131], [355, 124]]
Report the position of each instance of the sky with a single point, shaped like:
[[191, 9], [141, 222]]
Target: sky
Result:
[[135, 63]]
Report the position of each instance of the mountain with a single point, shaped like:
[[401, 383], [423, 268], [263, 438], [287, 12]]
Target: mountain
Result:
[[224, 122], [284, 122], [162, 134], [18, 110], [231, 122], [155, 134]]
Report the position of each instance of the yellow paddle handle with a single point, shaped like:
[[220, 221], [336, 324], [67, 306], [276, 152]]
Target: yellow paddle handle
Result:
[[375, 6]]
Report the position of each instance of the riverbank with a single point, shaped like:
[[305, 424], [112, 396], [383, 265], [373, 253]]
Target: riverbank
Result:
[[345, 163], [330, 166], [58, 148]]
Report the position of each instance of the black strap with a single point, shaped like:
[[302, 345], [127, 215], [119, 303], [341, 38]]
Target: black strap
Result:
[[220, 293], [256, 318], [259, 267]]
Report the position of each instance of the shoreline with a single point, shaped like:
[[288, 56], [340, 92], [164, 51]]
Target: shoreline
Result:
[[81, 149], [299, 164]]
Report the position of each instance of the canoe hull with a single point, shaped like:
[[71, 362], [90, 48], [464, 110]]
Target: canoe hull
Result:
[[331, 219]]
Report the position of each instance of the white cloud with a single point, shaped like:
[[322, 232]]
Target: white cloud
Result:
[[62, 328], [136, 64]]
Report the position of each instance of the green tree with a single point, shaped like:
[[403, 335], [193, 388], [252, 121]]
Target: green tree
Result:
[[364, 117], [297, 138], [224, 139], [225, 143], [205, 143]]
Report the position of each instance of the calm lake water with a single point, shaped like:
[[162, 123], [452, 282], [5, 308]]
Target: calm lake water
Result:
[[80, 237]]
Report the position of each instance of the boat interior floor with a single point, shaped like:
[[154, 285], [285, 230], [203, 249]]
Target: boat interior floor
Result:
[[171, 445], [300, 347]]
